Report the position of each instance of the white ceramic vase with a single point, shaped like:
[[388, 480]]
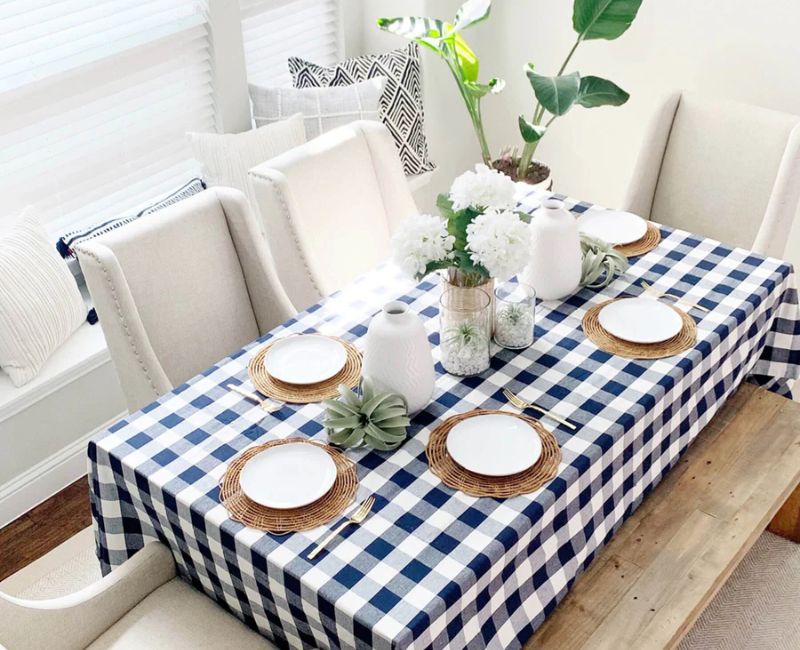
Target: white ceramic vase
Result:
[[397, 355], [555, 266]]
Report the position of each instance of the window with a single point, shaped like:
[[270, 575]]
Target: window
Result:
[[273, 30], [95, 100], [96, 97]]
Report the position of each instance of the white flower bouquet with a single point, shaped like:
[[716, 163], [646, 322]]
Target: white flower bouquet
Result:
[[478, 236]]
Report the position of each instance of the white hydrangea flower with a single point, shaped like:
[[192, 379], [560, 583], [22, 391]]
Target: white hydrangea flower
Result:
[[481, 189], [421, 239], [499, 241]]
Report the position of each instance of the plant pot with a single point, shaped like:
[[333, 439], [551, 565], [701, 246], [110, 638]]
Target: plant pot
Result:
[[539, 175]]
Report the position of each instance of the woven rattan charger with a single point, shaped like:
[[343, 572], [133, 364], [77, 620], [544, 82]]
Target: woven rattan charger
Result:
[[651, 239], [290, 520], [682, 341], [350, 376], [478, 485]]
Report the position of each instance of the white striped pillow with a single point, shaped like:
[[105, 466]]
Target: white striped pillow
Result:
[[40, 304]]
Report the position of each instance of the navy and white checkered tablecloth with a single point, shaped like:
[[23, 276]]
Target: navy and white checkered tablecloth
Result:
[[432, 567]]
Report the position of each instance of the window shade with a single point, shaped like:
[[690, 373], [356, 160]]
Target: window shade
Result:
[[95, 101], [274, 30]]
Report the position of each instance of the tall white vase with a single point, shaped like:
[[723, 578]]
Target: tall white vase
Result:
[[555, 266], [397, 355]]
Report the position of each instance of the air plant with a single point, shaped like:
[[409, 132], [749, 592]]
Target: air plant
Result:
[[464, 335], [601, 263], [366, 418]]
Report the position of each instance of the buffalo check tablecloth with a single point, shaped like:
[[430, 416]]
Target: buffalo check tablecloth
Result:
[[432, 567]]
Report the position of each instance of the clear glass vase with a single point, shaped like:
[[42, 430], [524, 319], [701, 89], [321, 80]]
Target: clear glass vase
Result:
[[465, 319], [515, 311]]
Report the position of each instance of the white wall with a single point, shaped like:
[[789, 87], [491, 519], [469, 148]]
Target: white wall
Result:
[[736, 49]]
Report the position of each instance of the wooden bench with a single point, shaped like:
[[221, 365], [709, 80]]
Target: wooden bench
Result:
[[650, 583]]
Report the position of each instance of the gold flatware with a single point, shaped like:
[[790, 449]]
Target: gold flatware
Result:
[[667, 294], [265, 404], [522, 405], [356, 518]]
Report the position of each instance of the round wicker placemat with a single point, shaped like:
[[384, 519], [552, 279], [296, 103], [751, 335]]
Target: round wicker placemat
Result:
[[281, 522], [350, 375], [478, 485], [682, 341], [651, 239]]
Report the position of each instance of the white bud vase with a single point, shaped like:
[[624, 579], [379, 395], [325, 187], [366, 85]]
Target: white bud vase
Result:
[[555, 266], [397, 355]]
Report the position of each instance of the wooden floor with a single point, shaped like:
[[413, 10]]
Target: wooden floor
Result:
[[40, 530]]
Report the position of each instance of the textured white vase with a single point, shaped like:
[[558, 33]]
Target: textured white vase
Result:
[[397, 355], [555, 266]]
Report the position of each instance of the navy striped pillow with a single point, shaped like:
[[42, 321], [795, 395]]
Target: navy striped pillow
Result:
[[69, 240]]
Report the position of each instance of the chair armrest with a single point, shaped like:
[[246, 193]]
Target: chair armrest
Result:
[[74, 621]]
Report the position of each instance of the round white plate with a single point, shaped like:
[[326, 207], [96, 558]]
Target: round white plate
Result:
[[612, 226], [305, 359], [494, 444], [640, 320], [288, 476]]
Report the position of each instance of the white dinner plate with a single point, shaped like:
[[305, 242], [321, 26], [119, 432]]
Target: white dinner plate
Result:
[[612, 226], [288, 476], [305, 359], [640, 320], [494, 444]]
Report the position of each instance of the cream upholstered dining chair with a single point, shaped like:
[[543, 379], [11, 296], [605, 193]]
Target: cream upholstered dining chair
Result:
[[726, 170], [179, 290], [141, 604], [328, 207]]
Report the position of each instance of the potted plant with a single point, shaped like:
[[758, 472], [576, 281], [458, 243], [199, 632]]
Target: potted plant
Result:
[[478, 238], [555, 96]]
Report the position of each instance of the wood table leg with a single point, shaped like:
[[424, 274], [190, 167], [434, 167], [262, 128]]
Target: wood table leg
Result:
[[787, 522]]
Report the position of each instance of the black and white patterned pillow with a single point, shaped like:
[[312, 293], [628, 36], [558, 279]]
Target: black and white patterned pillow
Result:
[[69, 240], [401, 102]]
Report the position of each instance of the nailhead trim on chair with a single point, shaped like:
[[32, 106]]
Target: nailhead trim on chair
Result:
[[289, 220], [83, 251]]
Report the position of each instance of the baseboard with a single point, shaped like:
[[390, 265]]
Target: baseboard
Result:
[[43, 480]]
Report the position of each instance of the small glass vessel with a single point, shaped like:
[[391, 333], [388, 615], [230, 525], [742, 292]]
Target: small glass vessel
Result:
[[465, 319], [515, 311]]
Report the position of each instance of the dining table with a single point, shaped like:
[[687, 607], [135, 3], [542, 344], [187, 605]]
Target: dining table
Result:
[[432, 567]]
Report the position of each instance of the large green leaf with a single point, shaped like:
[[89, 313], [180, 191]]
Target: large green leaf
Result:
[[556, 94], [425, 31], [531, 132], [471, 12], [607, 19], [596, 91], [467, 59]]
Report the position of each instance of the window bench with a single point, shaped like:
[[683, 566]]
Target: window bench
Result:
[[45, 424]]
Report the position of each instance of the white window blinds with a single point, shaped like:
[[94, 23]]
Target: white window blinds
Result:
[[274, 30], [95, 101]]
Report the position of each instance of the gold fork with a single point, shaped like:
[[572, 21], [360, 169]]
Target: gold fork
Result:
[[265, 404], [521, 404], [652, 290], [356, 518]]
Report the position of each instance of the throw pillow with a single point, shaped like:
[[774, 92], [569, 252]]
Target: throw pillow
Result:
[[69, 240], [401, 102], [227, 157], [322, 108], [40, 305]]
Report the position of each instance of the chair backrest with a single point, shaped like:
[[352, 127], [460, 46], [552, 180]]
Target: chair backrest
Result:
[[722, 169], [182, 289], [329, 206]]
